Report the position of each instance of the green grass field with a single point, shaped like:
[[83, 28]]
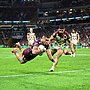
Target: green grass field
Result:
[[71, 73]]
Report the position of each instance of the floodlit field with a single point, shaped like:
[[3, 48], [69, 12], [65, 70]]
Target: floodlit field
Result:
[[71, 73]]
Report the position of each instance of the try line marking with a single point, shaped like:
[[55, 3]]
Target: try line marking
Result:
[[49, 73]]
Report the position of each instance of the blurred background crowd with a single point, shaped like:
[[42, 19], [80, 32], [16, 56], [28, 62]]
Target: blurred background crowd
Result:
[[44, 16]]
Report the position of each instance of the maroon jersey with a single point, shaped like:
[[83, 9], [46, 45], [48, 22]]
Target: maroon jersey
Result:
[[27, 54]]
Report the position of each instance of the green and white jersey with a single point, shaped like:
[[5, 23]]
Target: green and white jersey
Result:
[[60, 40], [31, 36], [74, 38]]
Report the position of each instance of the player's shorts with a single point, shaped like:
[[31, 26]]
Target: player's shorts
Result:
[[27, 54], [74, 42], [47, 46], [55, 45], [30, 42]]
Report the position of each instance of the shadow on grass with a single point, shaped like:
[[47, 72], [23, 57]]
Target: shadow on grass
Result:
[[36, 73]]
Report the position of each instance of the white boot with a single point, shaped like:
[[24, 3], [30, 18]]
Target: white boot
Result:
[[74, 55], [52, 69]]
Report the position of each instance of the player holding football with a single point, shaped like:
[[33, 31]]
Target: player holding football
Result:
[[28, 54], [75, 40]]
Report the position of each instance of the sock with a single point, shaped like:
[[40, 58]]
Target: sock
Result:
[[52, 60]]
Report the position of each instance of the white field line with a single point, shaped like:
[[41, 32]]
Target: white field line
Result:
[[18, 75], [82, 54], [70, 71], [23, 75], [78, 55]]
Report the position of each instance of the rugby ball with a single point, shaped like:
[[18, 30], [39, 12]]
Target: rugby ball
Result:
[[42, 48]]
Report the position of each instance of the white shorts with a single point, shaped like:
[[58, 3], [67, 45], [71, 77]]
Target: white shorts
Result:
[[57, 46], [30, 42], [74, 42]]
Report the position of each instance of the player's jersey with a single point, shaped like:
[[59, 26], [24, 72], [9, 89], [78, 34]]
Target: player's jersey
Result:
[[37, 43], [74, 38], [27, 54], [60, 40], [31, 36]]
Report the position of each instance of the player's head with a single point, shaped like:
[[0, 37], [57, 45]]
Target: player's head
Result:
[[44, 39], [73, 31], [31, 30], [61, 29]]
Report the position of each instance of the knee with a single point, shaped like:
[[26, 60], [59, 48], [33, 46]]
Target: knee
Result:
[[23, 62]]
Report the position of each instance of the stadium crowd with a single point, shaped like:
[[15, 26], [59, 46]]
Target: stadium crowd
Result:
[[83, 30]]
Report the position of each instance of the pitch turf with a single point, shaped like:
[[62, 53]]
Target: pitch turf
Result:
[[70, 74]]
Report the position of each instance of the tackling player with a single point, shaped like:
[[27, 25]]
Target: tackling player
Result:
[[58, 39]]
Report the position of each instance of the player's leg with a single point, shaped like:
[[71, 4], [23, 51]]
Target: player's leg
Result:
[[19, 46], [74, 46], [71, 48], [18, 56], [49, 54], [58, 55], [66, 52], [53, 51]]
